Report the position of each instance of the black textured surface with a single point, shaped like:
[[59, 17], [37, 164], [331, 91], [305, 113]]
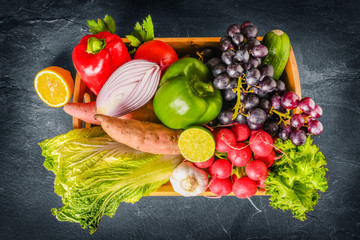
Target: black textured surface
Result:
[[325, 36]]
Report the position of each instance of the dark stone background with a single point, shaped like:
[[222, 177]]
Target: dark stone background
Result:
[[325, 36]]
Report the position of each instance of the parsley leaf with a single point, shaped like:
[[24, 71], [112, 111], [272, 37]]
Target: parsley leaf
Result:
[[108, 24], [142, 33]]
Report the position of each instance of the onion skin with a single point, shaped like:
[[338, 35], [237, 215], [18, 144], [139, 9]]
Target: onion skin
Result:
[[144, 136], [129, 88]]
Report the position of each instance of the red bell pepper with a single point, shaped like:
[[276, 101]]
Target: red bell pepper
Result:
[[97, 56]]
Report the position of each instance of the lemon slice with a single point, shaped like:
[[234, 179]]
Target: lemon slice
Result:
[[196, 144], [54, 85]]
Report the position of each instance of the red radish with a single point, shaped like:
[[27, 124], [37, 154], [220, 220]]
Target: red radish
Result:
[[234, 178], [254, 131], [256, 170], [220, 187], [240, 156], [261, 143], [268, 160], [244, 187], [225, 139], [205, 164], [221, 168], [241, 131], [261, 182], [214, 132]]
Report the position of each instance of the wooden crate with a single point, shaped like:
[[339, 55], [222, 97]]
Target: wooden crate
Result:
[[188, 47]]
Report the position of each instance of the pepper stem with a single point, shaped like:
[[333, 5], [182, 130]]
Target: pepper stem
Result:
[[95, 45], [202, 88]]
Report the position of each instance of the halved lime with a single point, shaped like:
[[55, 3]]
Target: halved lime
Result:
[[196, 144]]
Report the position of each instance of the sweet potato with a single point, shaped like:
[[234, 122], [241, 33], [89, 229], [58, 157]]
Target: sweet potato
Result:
[[86, 112], [144, 136], [82, 111]]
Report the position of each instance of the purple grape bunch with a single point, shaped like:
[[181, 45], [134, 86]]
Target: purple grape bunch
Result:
[[264, 100], [301, 124]]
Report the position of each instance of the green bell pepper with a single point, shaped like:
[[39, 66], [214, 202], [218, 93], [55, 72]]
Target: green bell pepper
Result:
[[186, 96]]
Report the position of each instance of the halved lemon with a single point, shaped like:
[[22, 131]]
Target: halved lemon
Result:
[[196, 144], [54, 85]]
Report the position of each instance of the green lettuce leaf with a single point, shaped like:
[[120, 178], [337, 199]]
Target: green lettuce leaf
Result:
[[50, 146], [94, 174], [296, 178]]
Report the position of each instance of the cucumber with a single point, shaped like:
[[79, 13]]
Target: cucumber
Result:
[[278, 44]]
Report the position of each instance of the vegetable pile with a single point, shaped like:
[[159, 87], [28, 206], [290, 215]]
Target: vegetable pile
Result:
[[240, 164], [219, 122]]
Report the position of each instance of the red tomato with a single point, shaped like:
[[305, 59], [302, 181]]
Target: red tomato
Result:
[[157, 51]]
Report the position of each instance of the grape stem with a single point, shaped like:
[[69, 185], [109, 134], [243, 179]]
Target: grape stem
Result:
[[244, 114], [243, 44], [201, 58], [239, 106], [283, 116], [306, 119]]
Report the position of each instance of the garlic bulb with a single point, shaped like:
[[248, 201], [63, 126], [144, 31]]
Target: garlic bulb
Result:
[[189, 180]]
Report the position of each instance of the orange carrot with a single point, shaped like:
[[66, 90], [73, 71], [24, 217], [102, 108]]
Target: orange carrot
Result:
[[144, 136], [86, 112]]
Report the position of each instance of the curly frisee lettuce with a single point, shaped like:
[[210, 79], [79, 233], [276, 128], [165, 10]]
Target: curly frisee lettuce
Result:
[[94, 174], [296, 178]]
